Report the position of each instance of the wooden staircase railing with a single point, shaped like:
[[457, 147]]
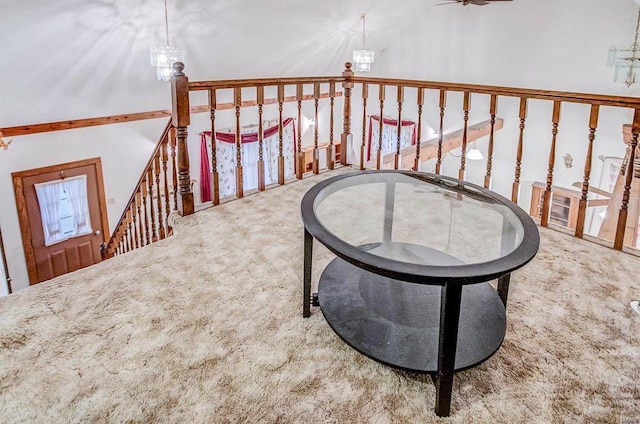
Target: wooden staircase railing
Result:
[[518, 100], [144, 219]]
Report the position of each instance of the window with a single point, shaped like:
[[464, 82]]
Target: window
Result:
[[64, 209]]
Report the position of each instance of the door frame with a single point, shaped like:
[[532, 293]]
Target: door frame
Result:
[[23, 216]]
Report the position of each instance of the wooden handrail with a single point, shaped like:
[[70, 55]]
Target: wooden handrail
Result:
[[567, 96], [116, 235], [553, 95], [262, 82]]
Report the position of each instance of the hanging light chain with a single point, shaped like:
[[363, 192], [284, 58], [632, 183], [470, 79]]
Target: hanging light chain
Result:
[[166, 22], [363, 31]]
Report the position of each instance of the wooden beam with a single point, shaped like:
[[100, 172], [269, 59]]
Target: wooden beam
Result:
[[429, 148], [129, 117]]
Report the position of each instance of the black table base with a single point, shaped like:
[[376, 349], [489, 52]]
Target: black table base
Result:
[[398, 323]]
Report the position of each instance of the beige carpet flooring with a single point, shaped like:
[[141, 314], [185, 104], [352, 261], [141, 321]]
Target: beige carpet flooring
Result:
[[206, 326]]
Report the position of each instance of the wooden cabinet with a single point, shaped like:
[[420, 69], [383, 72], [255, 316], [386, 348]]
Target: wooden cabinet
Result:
[[564, 205], [308, 153]]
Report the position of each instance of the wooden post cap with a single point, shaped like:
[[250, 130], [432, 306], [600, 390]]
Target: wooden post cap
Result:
[[178, 67]]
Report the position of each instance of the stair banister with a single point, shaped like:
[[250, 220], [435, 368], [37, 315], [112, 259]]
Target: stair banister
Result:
[[181, 119]]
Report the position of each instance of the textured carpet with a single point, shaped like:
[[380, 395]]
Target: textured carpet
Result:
[[206, 326]]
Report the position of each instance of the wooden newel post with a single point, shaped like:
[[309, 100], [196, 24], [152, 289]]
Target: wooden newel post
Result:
[[621, 227], [181, 119], [346, 121]]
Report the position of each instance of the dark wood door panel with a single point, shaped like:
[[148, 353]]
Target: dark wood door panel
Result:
[[46, 262]]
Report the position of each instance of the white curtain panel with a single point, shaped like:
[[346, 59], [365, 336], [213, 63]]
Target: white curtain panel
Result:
[[226, 161], [76, 189], [389, 138], [49, 195], [49, 201]]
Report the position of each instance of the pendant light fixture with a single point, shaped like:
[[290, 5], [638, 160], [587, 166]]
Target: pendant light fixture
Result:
[[363, 59], [165, 56], [626, 60]]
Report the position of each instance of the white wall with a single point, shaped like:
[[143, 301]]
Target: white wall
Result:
[[81, 58]]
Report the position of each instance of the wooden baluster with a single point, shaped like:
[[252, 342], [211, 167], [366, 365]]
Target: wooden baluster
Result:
[[381, 93], [546, 198], [165, 173], [181, 120], [129, 231], [365, 94], [132, 227], [157, 170], [299, 162], [316, 154], [463, 153], [134, 223], [174, 170], [152, 211], [347, 85], [492, 111], [127, 239], [443, 105], [215, 178], [280, 135], [515, 192], [624, 208], [582, 206], [144, 195], [396, 157], [138, 209], [420, 101], [260, 99], [237, 97], [331, 156]]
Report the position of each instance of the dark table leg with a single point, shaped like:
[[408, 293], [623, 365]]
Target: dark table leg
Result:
[[448, 338], [306, 292], [389, 204], [503, 288]]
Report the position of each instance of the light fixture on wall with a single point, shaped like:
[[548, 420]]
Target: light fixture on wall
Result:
[[474, 153], [4, 145], [626, 60], [165, 56], [363, 59]]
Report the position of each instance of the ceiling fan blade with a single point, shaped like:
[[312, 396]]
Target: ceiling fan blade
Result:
[[449, 2]]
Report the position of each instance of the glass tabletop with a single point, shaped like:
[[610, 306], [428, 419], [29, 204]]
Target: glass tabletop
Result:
[[419, 218]]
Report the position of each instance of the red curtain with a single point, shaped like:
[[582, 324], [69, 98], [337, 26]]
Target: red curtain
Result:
[[249, 137], [205, 171]]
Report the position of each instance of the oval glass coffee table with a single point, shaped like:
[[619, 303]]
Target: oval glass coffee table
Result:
[[415, 252]]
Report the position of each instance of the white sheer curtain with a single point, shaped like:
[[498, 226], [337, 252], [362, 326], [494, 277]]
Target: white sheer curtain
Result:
[[50, 194], [226, 161], [389, 137], [49, 200], [76, 189]]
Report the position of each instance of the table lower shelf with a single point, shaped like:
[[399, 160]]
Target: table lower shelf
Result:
[[397, 323]]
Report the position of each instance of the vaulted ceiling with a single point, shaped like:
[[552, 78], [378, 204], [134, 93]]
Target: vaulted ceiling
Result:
[[80, 58]]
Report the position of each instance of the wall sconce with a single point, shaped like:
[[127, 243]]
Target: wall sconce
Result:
[[474, 153], [4, 144]]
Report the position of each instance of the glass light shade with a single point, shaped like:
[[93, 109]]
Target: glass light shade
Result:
[[625, 62], [163, 59], [362, 59], [474, 154]]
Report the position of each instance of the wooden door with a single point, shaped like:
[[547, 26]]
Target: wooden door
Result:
[[46, 262]]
